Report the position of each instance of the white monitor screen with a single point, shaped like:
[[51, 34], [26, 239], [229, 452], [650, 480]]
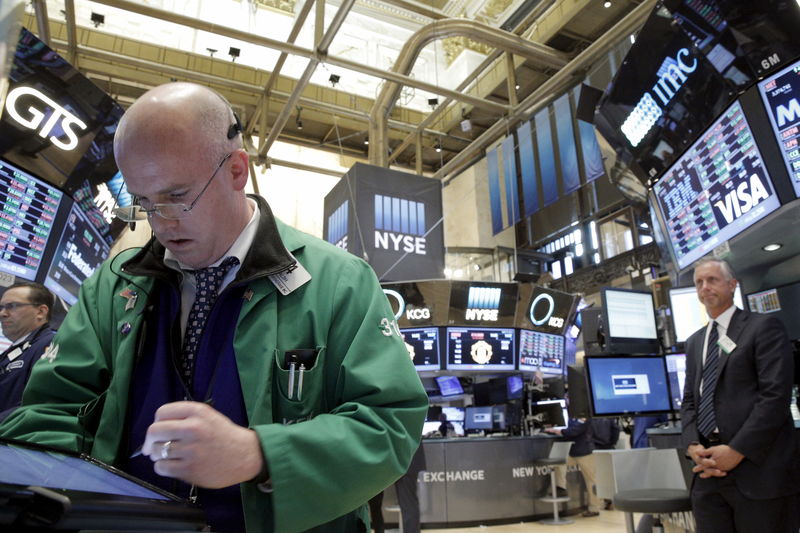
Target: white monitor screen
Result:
[[630, 315], [688, 314]]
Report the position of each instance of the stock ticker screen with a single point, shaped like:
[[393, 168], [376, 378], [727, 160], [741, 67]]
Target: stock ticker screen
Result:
[[781, 95], [718, 188], [28, 209], [541, 351]]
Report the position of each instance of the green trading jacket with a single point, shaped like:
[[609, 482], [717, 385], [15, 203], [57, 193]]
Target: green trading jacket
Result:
[[353, 433]]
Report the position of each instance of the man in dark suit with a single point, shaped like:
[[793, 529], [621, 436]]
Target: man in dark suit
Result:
[[737, 426]]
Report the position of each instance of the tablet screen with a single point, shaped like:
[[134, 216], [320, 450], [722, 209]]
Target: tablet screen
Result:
[[30, 467]]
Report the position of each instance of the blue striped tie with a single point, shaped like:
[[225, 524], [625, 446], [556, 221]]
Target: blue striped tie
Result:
[[706, 418], [207, 281]]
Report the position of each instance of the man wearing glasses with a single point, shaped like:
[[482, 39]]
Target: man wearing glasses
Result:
[[24, 316], [232, 360]]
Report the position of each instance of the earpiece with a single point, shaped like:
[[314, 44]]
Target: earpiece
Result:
[[235, 128]]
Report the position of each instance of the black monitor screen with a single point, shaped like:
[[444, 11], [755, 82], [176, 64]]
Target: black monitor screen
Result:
[[628, 385], [477, 418], [716, 189], [28, 209], [80, 251], [551, 413], [514, 387], [630, 321], [480, 349], [676, 371], [541, 351], [449, 385], [423, 347], [781, 95]]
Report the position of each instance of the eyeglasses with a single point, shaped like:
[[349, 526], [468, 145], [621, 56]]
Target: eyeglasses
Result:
[[135, 212], [12, 305]]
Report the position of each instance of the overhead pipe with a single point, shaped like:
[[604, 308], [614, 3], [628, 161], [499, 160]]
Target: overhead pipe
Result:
[[322, 50], [42, 20], [540, 97], [72, 32], [486, 63], [503, 40], [168, 16], [211, 79], [276, 71]]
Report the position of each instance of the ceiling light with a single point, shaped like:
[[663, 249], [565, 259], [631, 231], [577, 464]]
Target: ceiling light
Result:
[[607, 4], [772, 247], [211, 51], [366, 141], [97, 19], [433, 102], [516, 86], [334, 79], [437, 147], [234, 53]]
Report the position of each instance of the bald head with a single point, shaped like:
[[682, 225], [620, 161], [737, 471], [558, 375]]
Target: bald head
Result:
[[176, 117]]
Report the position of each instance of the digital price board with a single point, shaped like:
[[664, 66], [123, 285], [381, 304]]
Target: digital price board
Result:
[[80, 251], [28, 209], [781, 95], [717, 188], [480, 349], [541, 351]]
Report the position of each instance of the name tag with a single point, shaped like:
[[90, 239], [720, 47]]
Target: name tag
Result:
[[726, 344], [13, 354], [289, 280]]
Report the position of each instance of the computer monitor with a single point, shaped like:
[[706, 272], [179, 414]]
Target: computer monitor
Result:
[[28, 206], [499, 418], [578, 393], [480, 348], [492, 392], [676, 371], [423, 347], [514, 387], [630, 322], [688, 314], [541, 351], [478, 418], [449, 385], [553, 413], [454, 414], [627, 385]]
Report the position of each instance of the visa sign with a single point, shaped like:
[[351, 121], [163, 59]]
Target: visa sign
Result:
[[70, 124], [671, 77], [742, 199]]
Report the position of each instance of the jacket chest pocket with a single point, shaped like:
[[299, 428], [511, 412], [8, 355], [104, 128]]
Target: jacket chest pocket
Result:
[[298, 385]]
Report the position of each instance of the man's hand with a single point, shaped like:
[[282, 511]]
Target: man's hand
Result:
[[717, 461], [553, 431], [205, 447]]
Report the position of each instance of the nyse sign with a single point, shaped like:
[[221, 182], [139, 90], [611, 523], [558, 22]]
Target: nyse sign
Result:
[[35, 119]]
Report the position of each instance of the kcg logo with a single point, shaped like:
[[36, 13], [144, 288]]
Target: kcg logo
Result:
[[37, 115]]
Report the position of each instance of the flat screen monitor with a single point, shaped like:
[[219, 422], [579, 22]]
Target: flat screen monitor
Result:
[[629, 385], [499, 417], [79, 252], [454, 414], [783, 303], [482, 303], [478, 418], [716, 189], [514, 387], [676, 372], [423, 347], [449, 385], [688, 314], [781, 95], [553, 413], [578, 394], [480, 349], [630, 321], [28, 208], [541, 351]]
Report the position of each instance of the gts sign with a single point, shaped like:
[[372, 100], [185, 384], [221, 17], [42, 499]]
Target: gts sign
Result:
[[37, 112]]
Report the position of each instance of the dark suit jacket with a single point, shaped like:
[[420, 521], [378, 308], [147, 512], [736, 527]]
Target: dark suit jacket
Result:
[[751, 402]]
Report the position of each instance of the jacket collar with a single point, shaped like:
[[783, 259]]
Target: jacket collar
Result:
[[267, 255]]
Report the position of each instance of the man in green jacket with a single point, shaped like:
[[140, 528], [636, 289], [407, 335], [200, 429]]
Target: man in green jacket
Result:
[[251, 367]]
